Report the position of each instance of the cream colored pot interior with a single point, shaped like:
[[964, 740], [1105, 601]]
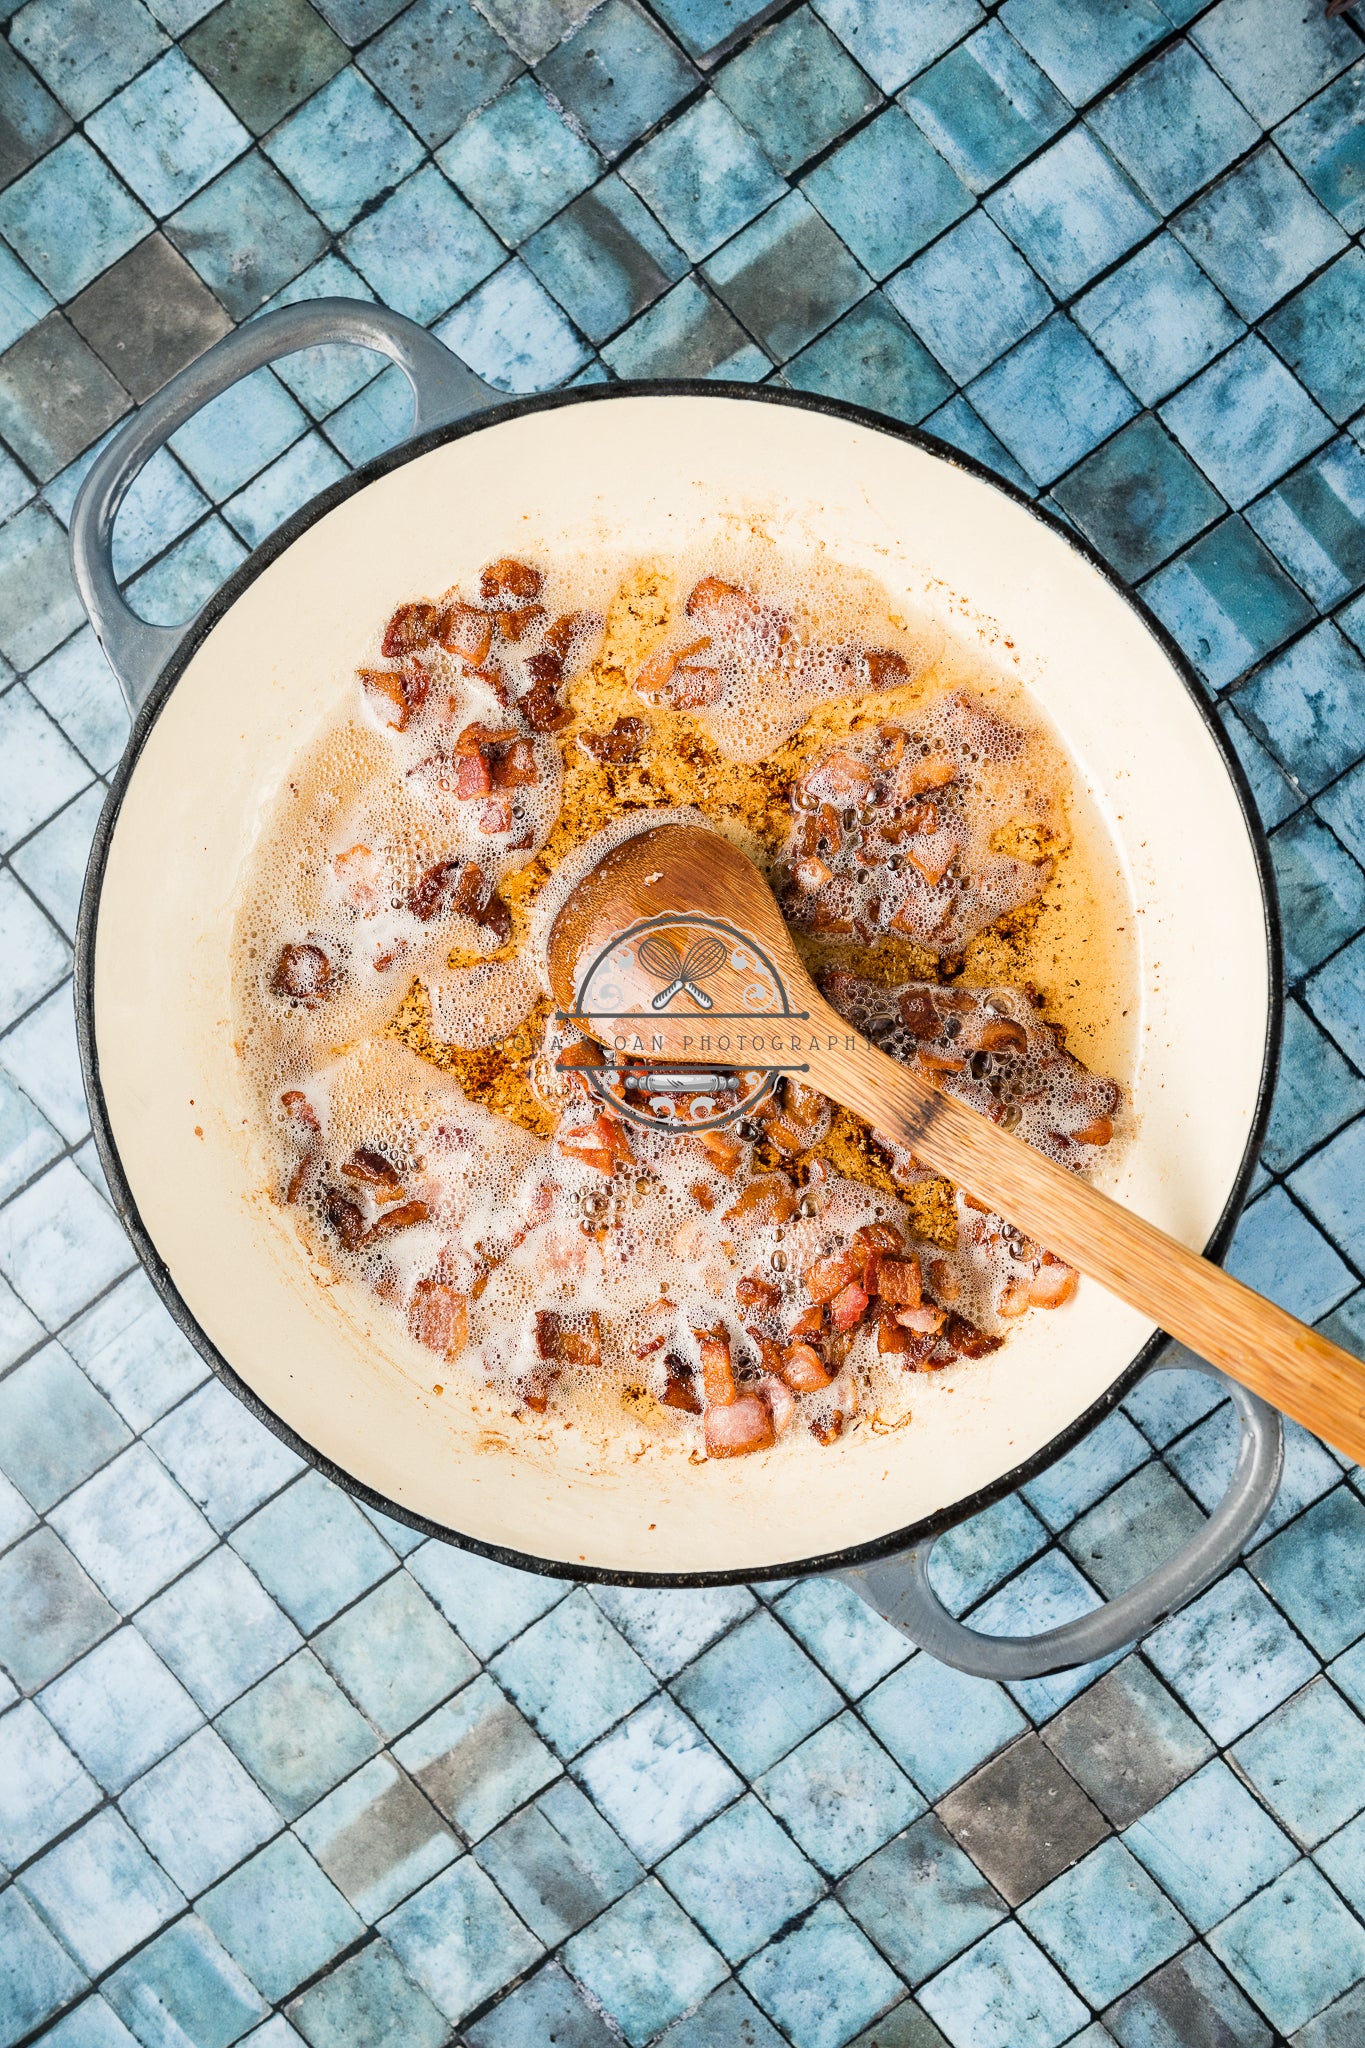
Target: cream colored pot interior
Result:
[[647, 472]]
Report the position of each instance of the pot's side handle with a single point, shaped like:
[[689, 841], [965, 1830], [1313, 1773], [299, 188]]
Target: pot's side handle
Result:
[[898, 1588], [443, 389]]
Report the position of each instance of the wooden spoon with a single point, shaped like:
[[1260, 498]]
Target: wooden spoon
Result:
[[677, 877]]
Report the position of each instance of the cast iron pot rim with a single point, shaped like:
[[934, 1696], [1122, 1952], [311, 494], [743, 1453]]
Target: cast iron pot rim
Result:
[[244, 575]]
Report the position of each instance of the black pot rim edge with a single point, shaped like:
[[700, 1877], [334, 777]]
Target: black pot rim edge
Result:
[[245, 574]]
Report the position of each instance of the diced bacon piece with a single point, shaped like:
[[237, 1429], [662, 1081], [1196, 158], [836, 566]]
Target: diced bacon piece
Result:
[[768, 1198], [468, 632], [745, 1425], [933, 853], [495, 917], [559, 638], [733, 603], [828, 1426], [840, 776], [919, 1013], [387, 956], [694, 686], [780, 1399], [508, 583], [810, 1323], [926, 1320], [1002, 1034], [702, 1195], [1053, 1283], [964, 1339], [389, 695], [723, 1151], [357, 870], [544, 667], [370, 1169], [812, 874], [1098, 1131], [804, 1369], [658, 669], [473, 776], [944, 1280], [1012, 1299], [848, 1307], [623, 743], [451, 885], [570, 1338], [717, 1371], [534, 1391], [899, 1282], [346, 1218], [753, 1291], [299, 1109], [680, 1390], [400, 1218], [881, 1237], [827, 1277], [515, 766], [894, 1340], [496, 815], [304, 1174], [412, 626], [603, 1144], [920, 772], [482, 740], [303, 974], [438, 1316], [885, 670], [934, 1064], [542, 709], [514, 625]]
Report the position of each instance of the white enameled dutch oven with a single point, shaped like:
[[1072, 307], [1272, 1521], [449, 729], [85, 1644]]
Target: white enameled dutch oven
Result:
[[221, 707]]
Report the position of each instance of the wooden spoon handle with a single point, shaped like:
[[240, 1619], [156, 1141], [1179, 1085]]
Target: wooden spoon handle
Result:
[[1228, 1324]]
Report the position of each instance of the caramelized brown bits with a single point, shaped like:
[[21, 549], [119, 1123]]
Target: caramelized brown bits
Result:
[[346, 1218], [624, 742], [827, 1427], [449, 885], [569, 1337], [372, 1170], [514, 625], [885, 670], [438, 1316], [680, 1390], [509, 583], [299, 1109], [303, 974], [542, 709]]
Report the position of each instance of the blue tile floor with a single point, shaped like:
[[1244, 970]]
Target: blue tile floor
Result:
[[274, 1770]]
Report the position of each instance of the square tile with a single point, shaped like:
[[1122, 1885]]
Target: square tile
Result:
[[846, 1637], [377, 418], [1230, 1657], [43, 1789], [38, 605], [246, 234], [297, 1734], [148, 316], [1278, 1250], [1315, 522], [1140, 1525], [513, 334], [938, 1723], [1315, 1184], [786, 277], [1305, 1762], [707, 28], [76, 685], [1307, 707], [39, 770], [120, 1709], [519, 161], [656, 1778], [90, 2025], [50, 1612], [19, 1332], [887, 192], [1227, 602], [1139, 499], [218, 1630], [1127, 1741], [279, 1917], [185, 1985], [41, 1978], [35, 957], [476, 1758], [168, 133], [1172, 1398], [618, 75], [101, 1893], [52, 865], [36, 211], [55, 1430], [822, 1981], [1004, 1993], [395, 1656], [132, 1528], [741, 1879], [1325, 142], [921, 1900], [795, 89], [1051, 400], [1205, 1461], [32, 120], [1272, 794], [377, 1838], [130, 1348], [1316, 1093], [871, 358], [1173, 126], [840, 1795], [1321, 891], [1071, 212], [225, 1460], [40, 1054], [756, 1694], [605, 258], [354, 20], [558, 1863], [23, 302], [1046, 1594], [265, 57], [985, 106], [343, 147], [313, 1549], [1312, 332], [1105, 1923], [703, 176], [1259, 232], [729, 2015], [56, 397], [1157, 319], [411, 65], [458, 1939], [573, 1675], [1209, 1845], [1083, 48], [423, 248], [644, 1962], [198, 1812], [323, 378], [368, 1997], [547, 2007], [1023, 1819], [1245, 421], [85, 51], [970, 297], [488, 1603], [1336, 996], [1293, 1948], [1237, 38], [1188, 1999], [892, 42]]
